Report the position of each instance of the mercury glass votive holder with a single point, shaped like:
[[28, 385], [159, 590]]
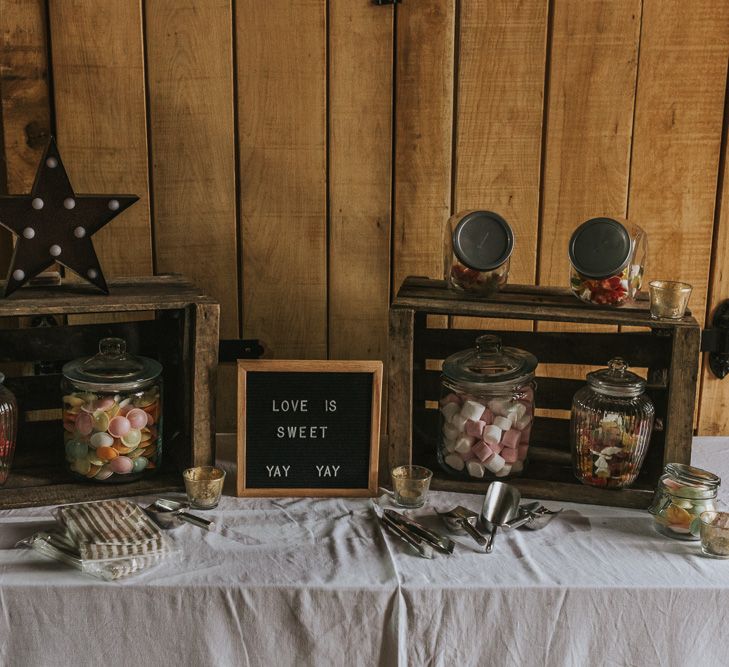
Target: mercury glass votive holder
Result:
[[669, 299], [714, 529], [410, 485], [204, 486]]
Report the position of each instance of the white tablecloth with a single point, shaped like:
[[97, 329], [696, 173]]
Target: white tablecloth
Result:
[[314, 582]]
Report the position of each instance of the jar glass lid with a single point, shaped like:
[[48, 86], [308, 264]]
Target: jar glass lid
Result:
[[491, 364], [483, 240], [112, 369], [616, 380], [691, 476], [600, 248]]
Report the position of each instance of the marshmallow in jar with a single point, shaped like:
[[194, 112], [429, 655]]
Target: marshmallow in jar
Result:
[[112, 414], [487, 410]]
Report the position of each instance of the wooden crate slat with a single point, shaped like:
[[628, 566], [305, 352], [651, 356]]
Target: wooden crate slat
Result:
[[529, 303], [641, 350]]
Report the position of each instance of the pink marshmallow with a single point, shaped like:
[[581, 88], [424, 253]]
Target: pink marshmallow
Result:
[[474, 428], [467, 456], [496, 448], [522, 452], [511, 439], [509, 455], [524, 440], [482, 451], [487, 417]]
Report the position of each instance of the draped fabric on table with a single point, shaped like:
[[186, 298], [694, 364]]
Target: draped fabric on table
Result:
[[315, 582]]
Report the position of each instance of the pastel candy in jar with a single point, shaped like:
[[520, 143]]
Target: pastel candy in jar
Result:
[[112, 414], [486, 410]]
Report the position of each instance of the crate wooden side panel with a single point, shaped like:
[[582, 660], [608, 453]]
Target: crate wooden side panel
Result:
[[183, 336]]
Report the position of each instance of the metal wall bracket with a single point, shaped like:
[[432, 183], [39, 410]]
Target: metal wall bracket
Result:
[[232, 350], [386, 2], [715, 341]]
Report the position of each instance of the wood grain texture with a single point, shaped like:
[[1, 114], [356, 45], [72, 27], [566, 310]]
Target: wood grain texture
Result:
[[99, 90], [282, 134], [713, 417], [192, 139], [25, 112], [424, 86], [589, 120], [676, 147], [677, 137], [360, 149], [499, 124], [501, 74]]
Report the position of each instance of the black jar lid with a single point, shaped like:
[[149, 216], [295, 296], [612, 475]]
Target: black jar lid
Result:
[[483, 240], [600, 248], [616, 380]]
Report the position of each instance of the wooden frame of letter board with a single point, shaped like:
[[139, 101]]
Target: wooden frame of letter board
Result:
[[666, 350], [305, 366]]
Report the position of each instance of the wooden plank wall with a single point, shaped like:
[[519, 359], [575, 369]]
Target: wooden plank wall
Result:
[[300, 185]]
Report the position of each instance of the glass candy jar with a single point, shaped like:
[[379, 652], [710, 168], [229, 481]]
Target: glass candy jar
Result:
[[486, 410], [112, 414], [476, 250], [607, 260], [8, 429], [682, 494], [610, 427]]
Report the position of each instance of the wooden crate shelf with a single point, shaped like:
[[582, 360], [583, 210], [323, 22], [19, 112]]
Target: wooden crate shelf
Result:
[[667, 350], [164, 317]]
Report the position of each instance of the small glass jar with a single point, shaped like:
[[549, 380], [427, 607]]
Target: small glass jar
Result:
[[8, 429], [607, 261], [477, 246], [486, 410], [610, 427], [682, 494], [112, 414]]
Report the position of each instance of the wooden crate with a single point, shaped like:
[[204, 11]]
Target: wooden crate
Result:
[[173, 322], [668, 350]]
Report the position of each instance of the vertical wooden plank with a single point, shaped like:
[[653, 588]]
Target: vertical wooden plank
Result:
[[99, 90], [400, 393], [192, 140], [592, 75], [423, 139], [205, 319], [501, 76], [24, 101], [682, 394], [281, 54], [192, 137], [589, 122], [713, 418], [676, 148], [360, 149], [677, 137]]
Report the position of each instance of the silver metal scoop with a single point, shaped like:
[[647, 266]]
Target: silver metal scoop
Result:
[[461, 518], [169, 513], [500, 506]]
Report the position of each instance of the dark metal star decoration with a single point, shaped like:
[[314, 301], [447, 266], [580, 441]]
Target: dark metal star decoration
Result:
[[55, 225]]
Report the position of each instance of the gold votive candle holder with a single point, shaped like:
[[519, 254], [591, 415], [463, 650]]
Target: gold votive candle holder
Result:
[[410, 485], [669, 299], [715, 534], [204, 486]]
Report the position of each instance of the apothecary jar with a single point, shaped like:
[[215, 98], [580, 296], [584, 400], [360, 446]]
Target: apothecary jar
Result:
[[112, 414]]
